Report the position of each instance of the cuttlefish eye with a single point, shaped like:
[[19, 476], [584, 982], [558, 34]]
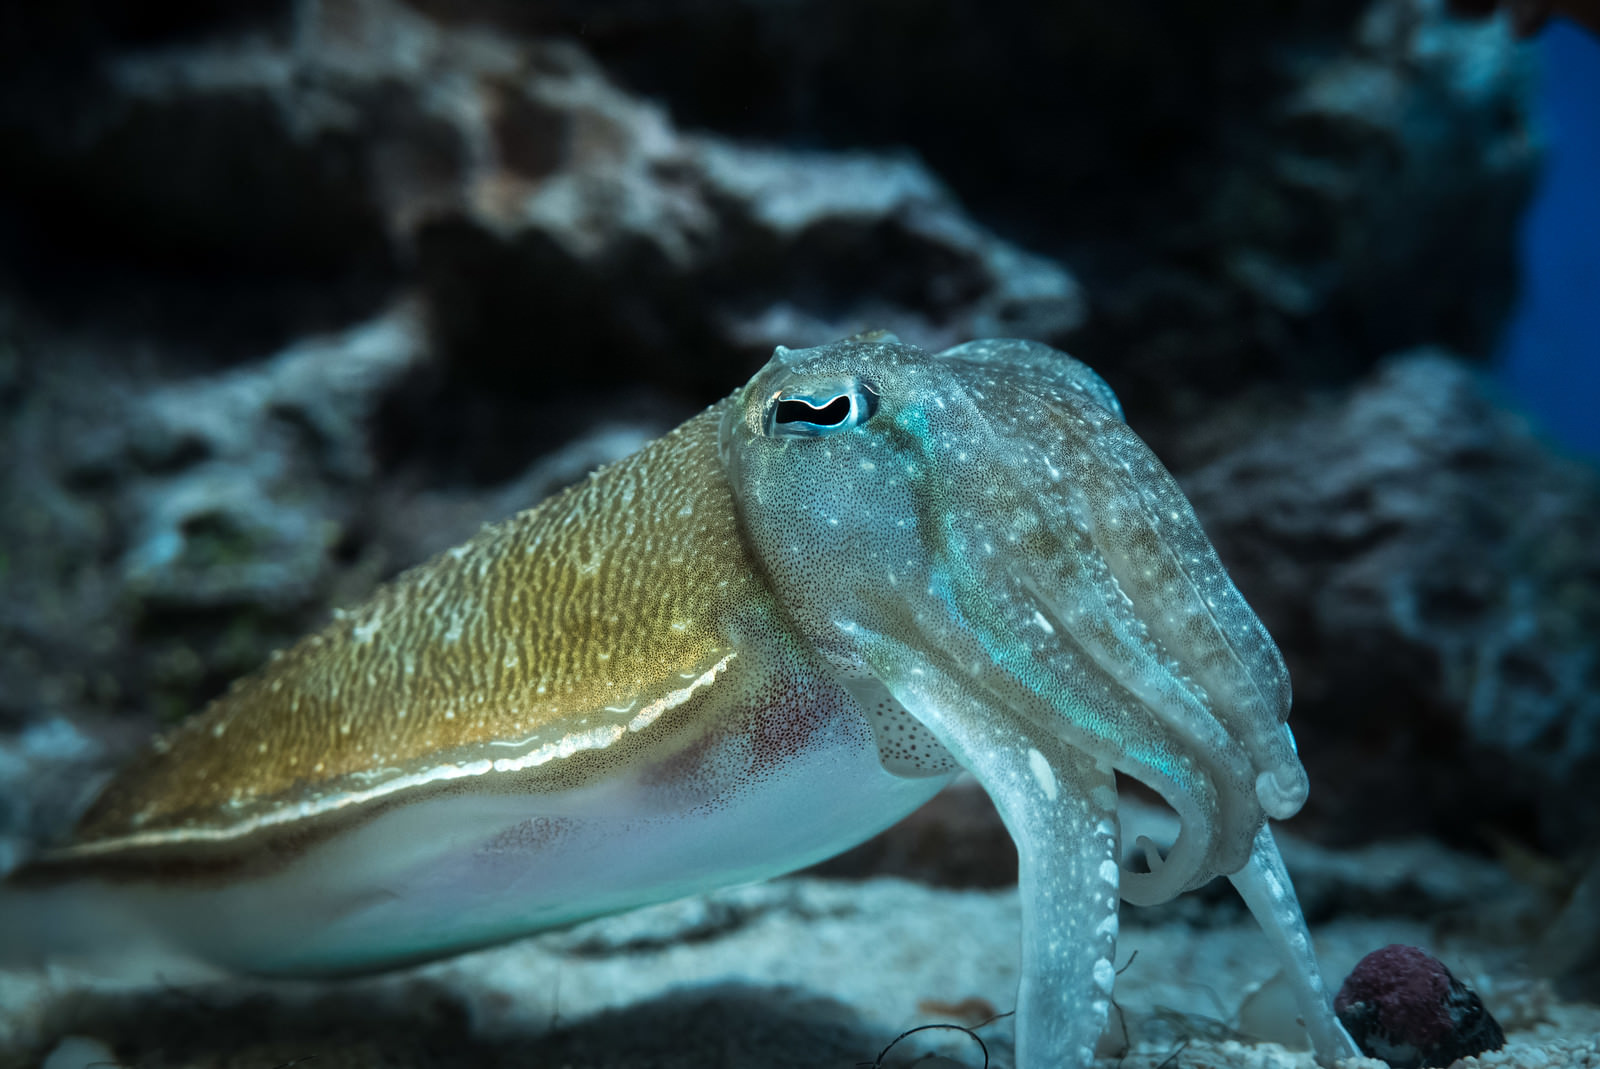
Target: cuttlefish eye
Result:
[[820, 408]]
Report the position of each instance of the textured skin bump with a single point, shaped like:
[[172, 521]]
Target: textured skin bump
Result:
[[562, 620]]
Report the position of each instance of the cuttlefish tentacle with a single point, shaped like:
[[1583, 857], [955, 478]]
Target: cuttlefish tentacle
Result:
[[1059, 804], [1264, 885]]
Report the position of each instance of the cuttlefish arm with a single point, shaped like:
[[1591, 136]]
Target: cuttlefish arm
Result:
[[1059, 804], [984, 534], [1264, 885]]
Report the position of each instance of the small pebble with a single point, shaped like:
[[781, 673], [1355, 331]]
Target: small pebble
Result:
[[1402, 1005]]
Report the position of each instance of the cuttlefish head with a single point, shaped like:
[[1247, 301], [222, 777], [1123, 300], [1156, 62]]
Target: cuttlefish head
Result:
[[981, 532]]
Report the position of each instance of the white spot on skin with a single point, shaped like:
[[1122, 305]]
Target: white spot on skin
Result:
[[1109, 873], [1105, 975], [1042, 773]]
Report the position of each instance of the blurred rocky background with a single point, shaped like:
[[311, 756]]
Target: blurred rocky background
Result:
[[294, 293]]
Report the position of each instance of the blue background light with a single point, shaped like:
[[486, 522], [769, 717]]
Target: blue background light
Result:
[[1552, 350]]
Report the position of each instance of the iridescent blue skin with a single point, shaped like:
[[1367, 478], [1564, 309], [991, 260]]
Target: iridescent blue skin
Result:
[[983, 535]]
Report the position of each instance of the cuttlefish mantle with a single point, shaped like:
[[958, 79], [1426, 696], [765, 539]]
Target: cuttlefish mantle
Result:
[[756, 642]]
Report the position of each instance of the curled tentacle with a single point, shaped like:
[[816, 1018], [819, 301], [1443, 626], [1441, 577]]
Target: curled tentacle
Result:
[[1185, 861]]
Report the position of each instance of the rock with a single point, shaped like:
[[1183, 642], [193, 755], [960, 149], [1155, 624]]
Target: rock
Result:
[[1419, 554], [1402, 1005], [681, 258], [564, 231], [233, 516], [80, 1052], [171, 530], [48, 773], [1312, 164], [1252, 193]]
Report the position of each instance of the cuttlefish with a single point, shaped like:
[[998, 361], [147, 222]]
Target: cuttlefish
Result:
[[756, 642]]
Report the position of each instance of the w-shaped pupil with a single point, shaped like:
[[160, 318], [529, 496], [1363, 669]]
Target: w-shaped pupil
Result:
[[831, 414]]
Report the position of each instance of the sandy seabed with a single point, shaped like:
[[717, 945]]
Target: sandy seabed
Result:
[[801, 972]]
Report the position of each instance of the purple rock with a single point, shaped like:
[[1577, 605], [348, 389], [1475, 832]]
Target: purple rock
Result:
[[1402, 1005]]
